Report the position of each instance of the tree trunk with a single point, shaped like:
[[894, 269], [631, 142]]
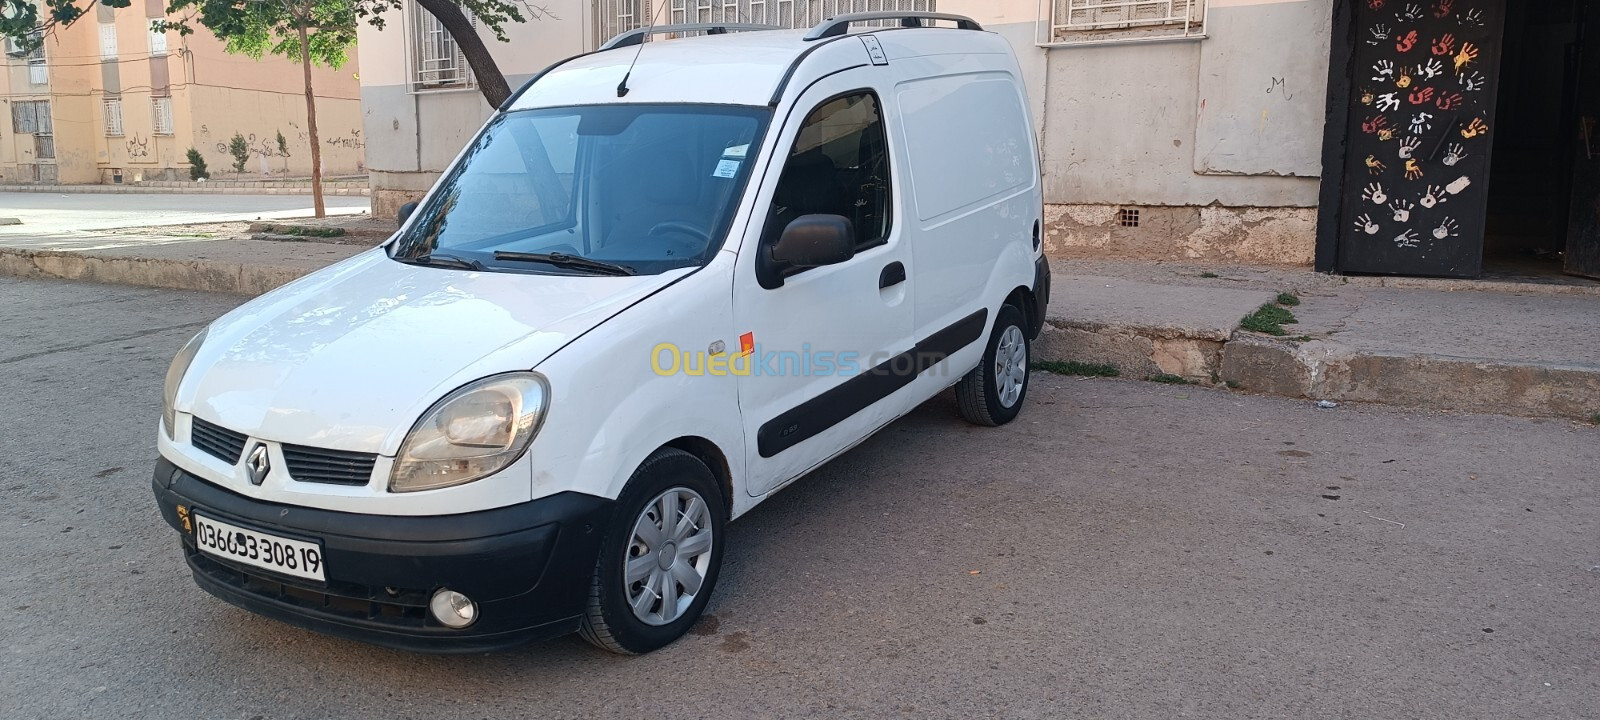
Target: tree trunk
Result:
[[311, 127], [491, 82]]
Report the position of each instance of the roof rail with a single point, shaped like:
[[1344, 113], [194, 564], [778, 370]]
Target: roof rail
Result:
[[636, 36], [836, 26]]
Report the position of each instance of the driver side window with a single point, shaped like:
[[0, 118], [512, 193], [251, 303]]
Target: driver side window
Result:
[[839, 166]]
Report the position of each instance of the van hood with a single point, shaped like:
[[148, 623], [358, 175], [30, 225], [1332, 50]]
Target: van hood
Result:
[[349, 357]]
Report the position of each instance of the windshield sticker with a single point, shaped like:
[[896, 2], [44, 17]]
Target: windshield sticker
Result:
[[726, 169], [737, 152]]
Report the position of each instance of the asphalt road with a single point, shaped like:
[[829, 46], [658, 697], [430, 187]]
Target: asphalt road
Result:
[[49, 217], [1125, 550]]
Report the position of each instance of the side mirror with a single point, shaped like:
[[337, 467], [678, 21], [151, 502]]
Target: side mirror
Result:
[[816, 240], [405, 213]]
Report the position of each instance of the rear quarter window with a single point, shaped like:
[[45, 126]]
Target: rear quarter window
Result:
[[966, 141]]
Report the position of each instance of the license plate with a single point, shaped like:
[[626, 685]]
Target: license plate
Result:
[[241, 545]]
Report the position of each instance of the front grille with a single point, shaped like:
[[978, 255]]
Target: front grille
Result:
[[332, 467], [219, 442]]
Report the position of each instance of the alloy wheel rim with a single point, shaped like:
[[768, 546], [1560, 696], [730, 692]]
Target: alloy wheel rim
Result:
[[666, 560], [1010, 366]]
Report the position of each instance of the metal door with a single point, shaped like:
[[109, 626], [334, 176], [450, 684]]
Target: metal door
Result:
[[1583, 226], [1420, 134]]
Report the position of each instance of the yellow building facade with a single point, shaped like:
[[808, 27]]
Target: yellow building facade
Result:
[[109, 101]]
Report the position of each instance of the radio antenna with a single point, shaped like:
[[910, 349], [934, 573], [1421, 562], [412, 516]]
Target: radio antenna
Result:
[[622, 87]]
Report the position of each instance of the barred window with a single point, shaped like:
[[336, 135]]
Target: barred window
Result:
[[614, 17], [31, 116], [162, 109], [1089, 21], [436, 61], [108, 41], [113, 111]]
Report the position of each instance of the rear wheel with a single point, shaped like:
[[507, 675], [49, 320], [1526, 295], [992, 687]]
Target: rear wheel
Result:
[[992, 394], [660, 557]]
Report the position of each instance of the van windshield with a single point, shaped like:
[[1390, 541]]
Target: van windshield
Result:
[[602, 190]]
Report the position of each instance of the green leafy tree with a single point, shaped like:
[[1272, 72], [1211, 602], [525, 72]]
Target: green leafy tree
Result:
[[239, 148]]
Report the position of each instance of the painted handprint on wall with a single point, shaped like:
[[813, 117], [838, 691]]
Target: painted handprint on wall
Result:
[[1406, 42], [1389, 101], [1402, 210], [1413, 170], [1412, 11], [1445, 45], [1374, 193], [1468, 54], [1432, 196], [1380, 33], [1473, 17], [1446, 229], [1454, 154], [1373, 124], [1443, 8], [1366, 225], [1473, 81], [1404, 81], [1382, 70], [1421, 123], [1407, 239], [1374, 165], [1456, 186], [1421, 96], [1475, 128], [1408, 146], [1450, 100], [1430, 69]]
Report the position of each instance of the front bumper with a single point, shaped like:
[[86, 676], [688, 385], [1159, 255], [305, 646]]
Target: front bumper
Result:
[[527, 566]]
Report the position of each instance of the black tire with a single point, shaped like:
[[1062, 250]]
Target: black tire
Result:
[[977, 394], [609, 622]]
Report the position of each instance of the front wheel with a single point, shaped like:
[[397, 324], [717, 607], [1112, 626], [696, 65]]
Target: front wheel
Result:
[[660, 557], [993, 392]]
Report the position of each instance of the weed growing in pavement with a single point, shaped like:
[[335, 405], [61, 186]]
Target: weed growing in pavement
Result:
[[1232, 384], [1595, 418], [1078, 368], [1268, 319], [1167, 378], [1288, 299], [1208, 275]]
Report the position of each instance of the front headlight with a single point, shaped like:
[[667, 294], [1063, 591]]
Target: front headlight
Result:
[[175, 373], [472, 433]]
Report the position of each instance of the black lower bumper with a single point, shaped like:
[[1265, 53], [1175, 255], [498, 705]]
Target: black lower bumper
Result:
[[527, 566]]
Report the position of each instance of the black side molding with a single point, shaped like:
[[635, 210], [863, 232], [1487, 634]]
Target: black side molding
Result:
[[814, 416]]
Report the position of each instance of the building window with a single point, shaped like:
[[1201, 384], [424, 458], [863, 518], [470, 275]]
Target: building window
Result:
[[113, 111], [158, 43], [31, 116], [436, 62], [1076, 22], [614, 17], [108, 41], [162, 110], [38, 72]]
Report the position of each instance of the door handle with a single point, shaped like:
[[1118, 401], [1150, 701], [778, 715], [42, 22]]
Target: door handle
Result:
[[891, 276]]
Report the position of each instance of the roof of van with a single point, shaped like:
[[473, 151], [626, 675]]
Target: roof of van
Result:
[[740, 68]]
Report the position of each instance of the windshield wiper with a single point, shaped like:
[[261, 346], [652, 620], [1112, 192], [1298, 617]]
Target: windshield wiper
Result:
[[564, 260], [449, 261]]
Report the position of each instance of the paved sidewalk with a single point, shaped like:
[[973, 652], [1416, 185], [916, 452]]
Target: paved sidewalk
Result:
[[1474, 346]]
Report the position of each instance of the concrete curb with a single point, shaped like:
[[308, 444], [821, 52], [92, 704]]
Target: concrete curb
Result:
[[206, 275], [1324, 370]]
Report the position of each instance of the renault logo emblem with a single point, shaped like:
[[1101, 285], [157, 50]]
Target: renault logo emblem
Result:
[[257, 464]]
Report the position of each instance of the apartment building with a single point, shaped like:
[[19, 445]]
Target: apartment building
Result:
[[107, 100]]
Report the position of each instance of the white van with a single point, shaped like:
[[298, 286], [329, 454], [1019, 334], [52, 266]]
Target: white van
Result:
[[662, 282]]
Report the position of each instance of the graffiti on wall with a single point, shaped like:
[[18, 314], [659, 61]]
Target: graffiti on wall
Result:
[[138, 147], [263, 147], [352, 141]]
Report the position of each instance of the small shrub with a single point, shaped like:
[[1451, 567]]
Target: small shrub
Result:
[[1208, 275], [239, 148], [1288, 299], [1595, 418], [1167, 378], [1078, 368], [197, 165], [1232, 384], [283, 145]]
